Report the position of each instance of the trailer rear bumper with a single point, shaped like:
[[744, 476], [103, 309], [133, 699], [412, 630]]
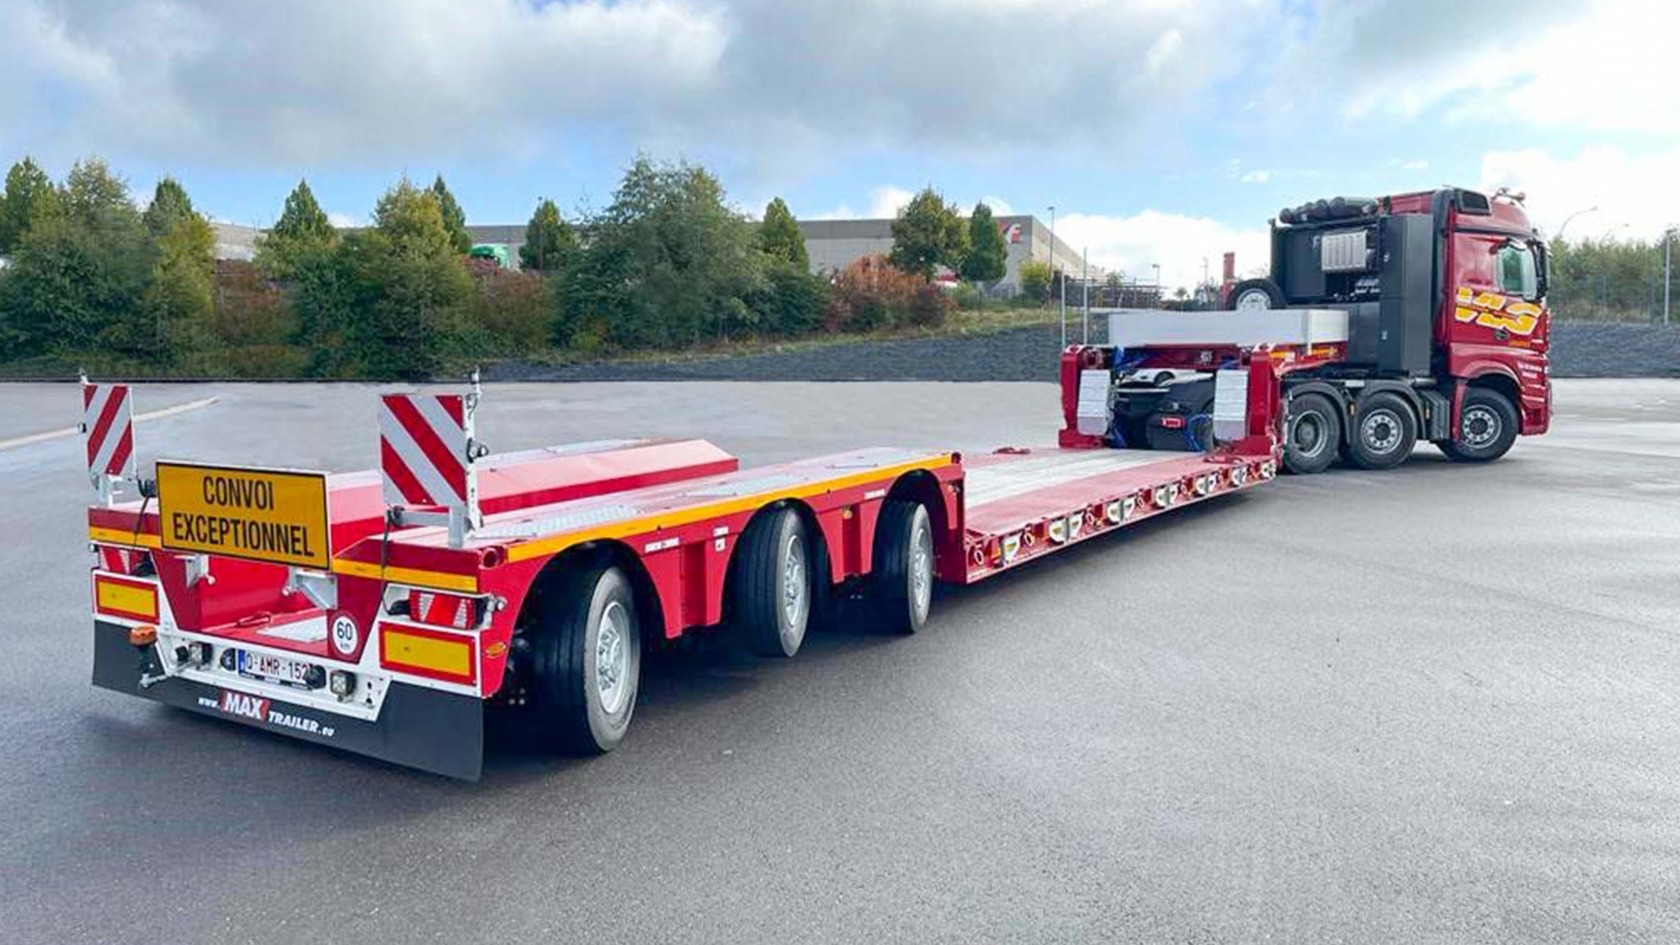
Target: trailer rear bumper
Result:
[[436, 731]]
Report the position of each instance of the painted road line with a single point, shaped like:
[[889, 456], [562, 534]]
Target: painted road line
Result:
[[73, 431]]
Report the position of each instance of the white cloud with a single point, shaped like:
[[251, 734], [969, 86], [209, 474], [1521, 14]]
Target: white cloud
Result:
[[999, 206], [1418, 165], [1256, 177], [376, 81], [1598, 65], [887, 201], [1131, 244], [343, 220], [1636, 195]]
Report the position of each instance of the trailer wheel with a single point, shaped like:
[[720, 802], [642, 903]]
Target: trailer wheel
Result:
[[1384, 431], [1314, 435], [583, 664], [902, 584], [1487, 427], [773, 592]]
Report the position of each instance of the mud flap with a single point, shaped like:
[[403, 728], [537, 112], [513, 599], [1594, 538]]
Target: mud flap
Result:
[[440, 732]]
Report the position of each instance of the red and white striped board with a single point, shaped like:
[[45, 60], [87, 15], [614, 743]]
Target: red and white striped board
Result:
[[423, 441], [108, 429]]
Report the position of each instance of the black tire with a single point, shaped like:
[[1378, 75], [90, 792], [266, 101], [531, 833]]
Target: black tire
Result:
[[1312, 434], [564, 705], [1487, 427], [901, 587], [1383, 431], [772, 595], [1254, 291]]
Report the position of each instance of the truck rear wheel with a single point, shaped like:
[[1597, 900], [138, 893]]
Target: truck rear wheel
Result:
[[581, 667], [1314, 434], [1487, 427], [1383, 433], [773, 592], [902, 584]]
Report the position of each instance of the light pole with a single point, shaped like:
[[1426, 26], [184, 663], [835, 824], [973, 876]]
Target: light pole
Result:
[[1159, 295], [1052, 255], [1668, 269], [1572, 216], [1085, 287]]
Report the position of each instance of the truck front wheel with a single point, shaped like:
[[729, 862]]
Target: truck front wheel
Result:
[[902, 584], [1487, 427], [581, 665], [1315, 434], [1384, 431]]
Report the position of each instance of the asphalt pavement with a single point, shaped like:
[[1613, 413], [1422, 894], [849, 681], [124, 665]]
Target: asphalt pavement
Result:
[[1438, 704]]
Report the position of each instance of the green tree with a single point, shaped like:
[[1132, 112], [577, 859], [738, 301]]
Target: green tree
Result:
[[1036, 276], [322, 295], [988, 255], [412, 288], [67, 288], [177, 312], [77, 277], [170, 206], [454, 218], [669, 263], [29, 196], [550, 246], [928, 234], [779, 236]]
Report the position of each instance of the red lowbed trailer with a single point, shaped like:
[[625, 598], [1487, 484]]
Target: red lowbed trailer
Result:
[[397, 612]]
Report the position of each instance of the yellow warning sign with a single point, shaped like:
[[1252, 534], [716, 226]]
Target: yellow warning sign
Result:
[[260, 514]]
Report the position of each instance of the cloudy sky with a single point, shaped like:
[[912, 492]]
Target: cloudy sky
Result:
[[1162, 130]]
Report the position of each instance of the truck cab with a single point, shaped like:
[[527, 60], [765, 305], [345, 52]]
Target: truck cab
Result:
[[1444, 292]]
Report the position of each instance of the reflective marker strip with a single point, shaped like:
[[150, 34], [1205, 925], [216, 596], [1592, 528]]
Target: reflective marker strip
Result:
[[132, 599], [108, 422], [123, 537], [423, 449], [442, 656], [413, 577]]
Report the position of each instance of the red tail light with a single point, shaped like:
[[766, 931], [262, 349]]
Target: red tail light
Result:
[[445, 610], [125, 561]]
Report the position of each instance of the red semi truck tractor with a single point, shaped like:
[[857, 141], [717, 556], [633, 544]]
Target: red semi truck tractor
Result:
[[1444, 293], [398, 612]]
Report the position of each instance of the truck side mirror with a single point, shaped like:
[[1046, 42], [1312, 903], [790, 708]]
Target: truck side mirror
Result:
[[1542, 269]]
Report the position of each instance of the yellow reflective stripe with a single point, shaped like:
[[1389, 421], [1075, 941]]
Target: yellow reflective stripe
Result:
[[426, 652], [126, 598], [120, 536], [441, 580], [543, 547]]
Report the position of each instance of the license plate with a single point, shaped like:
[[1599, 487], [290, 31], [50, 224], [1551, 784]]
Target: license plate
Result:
[[273, 668]]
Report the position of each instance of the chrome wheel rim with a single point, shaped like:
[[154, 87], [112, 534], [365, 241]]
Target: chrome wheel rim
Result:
[[1254, 300], [1381, 431], [612, 657], [1480, 426], [921, 569], [794, 583]]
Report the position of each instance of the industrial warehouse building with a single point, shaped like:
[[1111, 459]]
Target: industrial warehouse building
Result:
[[835, 244]]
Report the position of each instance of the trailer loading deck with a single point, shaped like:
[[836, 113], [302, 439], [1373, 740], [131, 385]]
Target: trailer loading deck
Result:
[[455, 589]]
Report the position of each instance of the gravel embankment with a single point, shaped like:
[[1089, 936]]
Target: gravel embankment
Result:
[[1579, 349]]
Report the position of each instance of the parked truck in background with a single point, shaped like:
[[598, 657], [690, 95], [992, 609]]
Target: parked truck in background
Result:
[[1447, 324]]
